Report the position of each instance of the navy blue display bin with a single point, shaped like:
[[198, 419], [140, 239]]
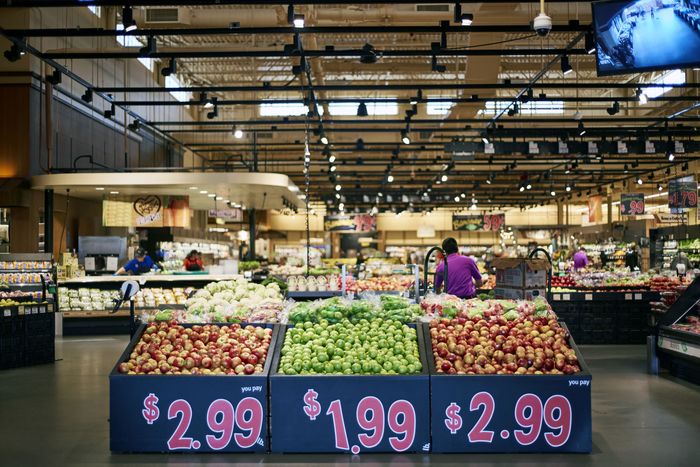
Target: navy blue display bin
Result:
[[319, 413], [187, 413], [510, 413]]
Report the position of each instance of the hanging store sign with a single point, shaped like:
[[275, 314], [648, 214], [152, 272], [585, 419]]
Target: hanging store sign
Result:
[[472, 222], [632, 204], [671, 218], [350, 223], [682, 194], [227, 215], [146, 211], [595, 209]]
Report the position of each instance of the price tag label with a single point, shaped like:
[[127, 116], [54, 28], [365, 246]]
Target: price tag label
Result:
[[351, 413], [628, 296], [35, 310], [637, 296], [20, 310], [42, 309], [199, 414], [247, 274], [566, 297], [49, 307], [588, 297], [556, 297], [511, 414], [7, 313]]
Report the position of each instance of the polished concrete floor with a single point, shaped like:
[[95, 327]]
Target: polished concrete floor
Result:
[[57, 415]]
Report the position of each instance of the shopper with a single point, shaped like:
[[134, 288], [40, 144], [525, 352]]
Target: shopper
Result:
[[632, 257], [463, 277], [141, 264], [681, 264], [193, 261], [580, 259]]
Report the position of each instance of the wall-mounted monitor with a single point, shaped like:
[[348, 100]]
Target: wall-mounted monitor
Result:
[[645, 35]]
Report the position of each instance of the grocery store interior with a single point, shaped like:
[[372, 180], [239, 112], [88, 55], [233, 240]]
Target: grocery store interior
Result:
[[327, 232]]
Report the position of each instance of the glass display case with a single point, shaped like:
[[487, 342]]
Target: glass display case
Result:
[[678, 335]]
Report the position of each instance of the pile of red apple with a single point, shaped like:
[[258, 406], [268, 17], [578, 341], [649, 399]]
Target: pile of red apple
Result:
[[172, 349], [563, 281], [527, 345]]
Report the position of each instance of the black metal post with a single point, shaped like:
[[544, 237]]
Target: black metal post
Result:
[[251, 227], [48, 220]]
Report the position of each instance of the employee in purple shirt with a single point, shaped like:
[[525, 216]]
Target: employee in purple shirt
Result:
[[462, 273], [580, 259]]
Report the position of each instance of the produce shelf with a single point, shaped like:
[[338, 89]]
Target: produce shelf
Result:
[[141, 406], [296, 431], [475, 413], [26, 335]]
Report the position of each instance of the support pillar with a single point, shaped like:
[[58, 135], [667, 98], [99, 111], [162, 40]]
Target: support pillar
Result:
[[251, 228], [48, 220]]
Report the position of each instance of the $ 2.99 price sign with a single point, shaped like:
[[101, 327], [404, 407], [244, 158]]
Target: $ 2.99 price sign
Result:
[[241, 424], [371, 417], [551, 418]]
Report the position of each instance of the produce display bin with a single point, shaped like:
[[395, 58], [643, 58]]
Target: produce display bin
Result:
[[27, 334], [605, 317], [189, 413], [325, 413], [510, 413]]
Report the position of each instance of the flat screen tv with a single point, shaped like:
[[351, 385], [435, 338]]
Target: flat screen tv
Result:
[[645, 35]]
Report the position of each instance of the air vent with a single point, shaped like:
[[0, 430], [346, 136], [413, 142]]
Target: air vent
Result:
[[434, 7], [265, 135], [163, 15]]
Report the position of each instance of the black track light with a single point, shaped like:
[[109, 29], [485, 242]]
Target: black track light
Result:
[[405, 138], [215, 110], [614, 109], [565, 65], [128, 19], [54, 78], [14, 53], [465, 19], [360, 144], [581, 129], [435, 67], [109, 113], [134, 126], [362, 110], [324, 138], [150, 47], [417, 99], [171, 68], [589, 42], [87, 96], [369, 55]]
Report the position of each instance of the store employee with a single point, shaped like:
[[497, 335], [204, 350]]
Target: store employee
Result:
[[141, 264], [462, 273]]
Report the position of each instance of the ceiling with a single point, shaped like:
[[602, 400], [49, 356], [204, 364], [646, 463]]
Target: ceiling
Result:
[[411, 59]]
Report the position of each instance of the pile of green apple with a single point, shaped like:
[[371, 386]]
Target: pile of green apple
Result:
[[364, 347]]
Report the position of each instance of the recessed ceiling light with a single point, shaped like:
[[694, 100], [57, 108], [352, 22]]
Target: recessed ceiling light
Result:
[[203, 192], [211, 195], [219, 198], [99, 188], [193, 188], [113, 192]]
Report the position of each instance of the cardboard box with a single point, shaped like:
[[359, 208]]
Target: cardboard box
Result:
[[521, 272], [515, 293]]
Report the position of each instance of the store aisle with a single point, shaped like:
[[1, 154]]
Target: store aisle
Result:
[[57, 415], [660, 35]]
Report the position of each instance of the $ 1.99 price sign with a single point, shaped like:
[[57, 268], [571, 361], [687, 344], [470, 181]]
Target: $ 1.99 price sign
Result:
[[352, 414], [371, 416]]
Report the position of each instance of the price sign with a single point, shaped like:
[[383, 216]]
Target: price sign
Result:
[[193, 414], [350, 413], [682, 194], [505, 413], [632, 204]]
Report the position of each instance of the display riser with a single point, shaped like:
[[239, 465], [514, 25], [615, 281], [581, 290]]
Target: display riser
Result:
[[129, 397], [294, 431], [614, 322], [98, 326], [26, 340]]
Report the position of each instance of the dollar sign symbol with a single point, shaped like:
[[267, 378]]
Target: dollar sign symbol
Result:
[[312, 408], [453, 422], [151, 412]]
